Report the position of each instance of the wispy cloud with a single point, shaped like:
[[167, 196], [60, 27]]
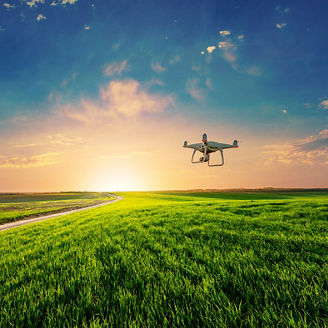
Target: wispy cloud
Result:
[[208, 83], [280, 26], [193, 89], [314, 142], [8, 5], [226, 45], [282, 10], [41, 17], [71, 2], [56, 139], [324, 104], [157, 67], [65, 82], [175, 59], [253, 70], [155, 81], [125, 98], [229, 50], [196, 68], [311, 151], [34, 3], [116, 68], [29, 161], [229, 56], [86, 27], [225, 33]]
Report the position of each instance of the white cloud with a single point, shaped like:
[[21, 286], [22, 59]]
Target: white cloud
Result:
[[324, 104], [116, 68], [210, 49], [33, 3], [224, 33], [193, 89], [41, 17], [71, 2], [280, 26], [118, 99], [29, 161], [202, 52], [312, 150], [8, 5], [86, 27], [157, 67], [226, 44]]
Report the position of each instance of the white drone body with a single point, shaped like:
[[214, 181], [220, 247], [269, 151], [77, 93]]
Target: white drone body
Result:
[[208, 147]]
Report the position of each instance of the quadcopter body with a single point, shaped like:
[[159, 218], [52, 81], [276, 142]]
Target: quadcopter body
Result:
[[206, 148]]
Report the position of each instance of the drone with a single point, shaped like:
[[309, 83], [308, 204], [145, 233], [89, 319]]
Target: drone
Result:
[[208, 147]]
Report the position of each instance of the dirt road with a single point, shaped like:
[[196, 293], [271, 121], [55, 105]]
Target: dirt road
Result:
[[49, 216]]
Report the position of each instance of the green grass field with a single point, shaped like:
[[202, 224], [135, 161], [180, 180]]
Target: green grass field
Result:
[[172, 260], [15, 207]]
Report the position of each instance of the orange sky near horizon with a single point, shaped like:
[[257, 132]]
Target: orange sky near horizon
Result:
[[135, 147]]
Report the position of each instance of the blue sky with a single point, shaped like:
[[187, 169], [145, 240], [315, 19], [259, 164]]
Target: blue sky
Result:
[[276, 67], [266, 78]]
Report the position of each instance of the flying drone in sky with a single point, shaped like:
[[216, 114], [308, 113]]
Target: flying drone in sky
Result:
[[208, 147]]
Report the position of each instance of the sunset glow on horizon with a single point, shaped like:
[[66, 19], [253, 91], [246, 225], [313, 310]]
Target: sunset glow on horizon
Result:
[[101, 95]]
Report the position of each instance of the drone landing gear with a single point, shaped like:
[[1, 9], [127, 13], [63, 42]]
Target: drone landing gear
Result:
[[206, 158], [220, 164], [202, 159]]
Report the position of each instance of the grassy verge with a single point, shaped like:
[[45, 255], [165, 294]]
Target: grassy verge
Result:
[[171, 260]]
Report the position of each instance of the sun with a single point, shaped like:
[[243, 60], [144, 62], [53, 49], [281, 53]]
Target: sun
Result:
[[120, 180]]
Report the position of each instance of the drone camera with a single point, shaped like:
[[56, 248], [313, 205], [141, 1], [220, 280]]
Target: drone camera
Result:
[[204, 158], [235, 143]]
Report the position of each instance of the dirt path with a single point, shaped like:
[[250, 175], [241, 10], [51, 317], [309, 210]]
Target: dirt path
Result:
[[49, 216]]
